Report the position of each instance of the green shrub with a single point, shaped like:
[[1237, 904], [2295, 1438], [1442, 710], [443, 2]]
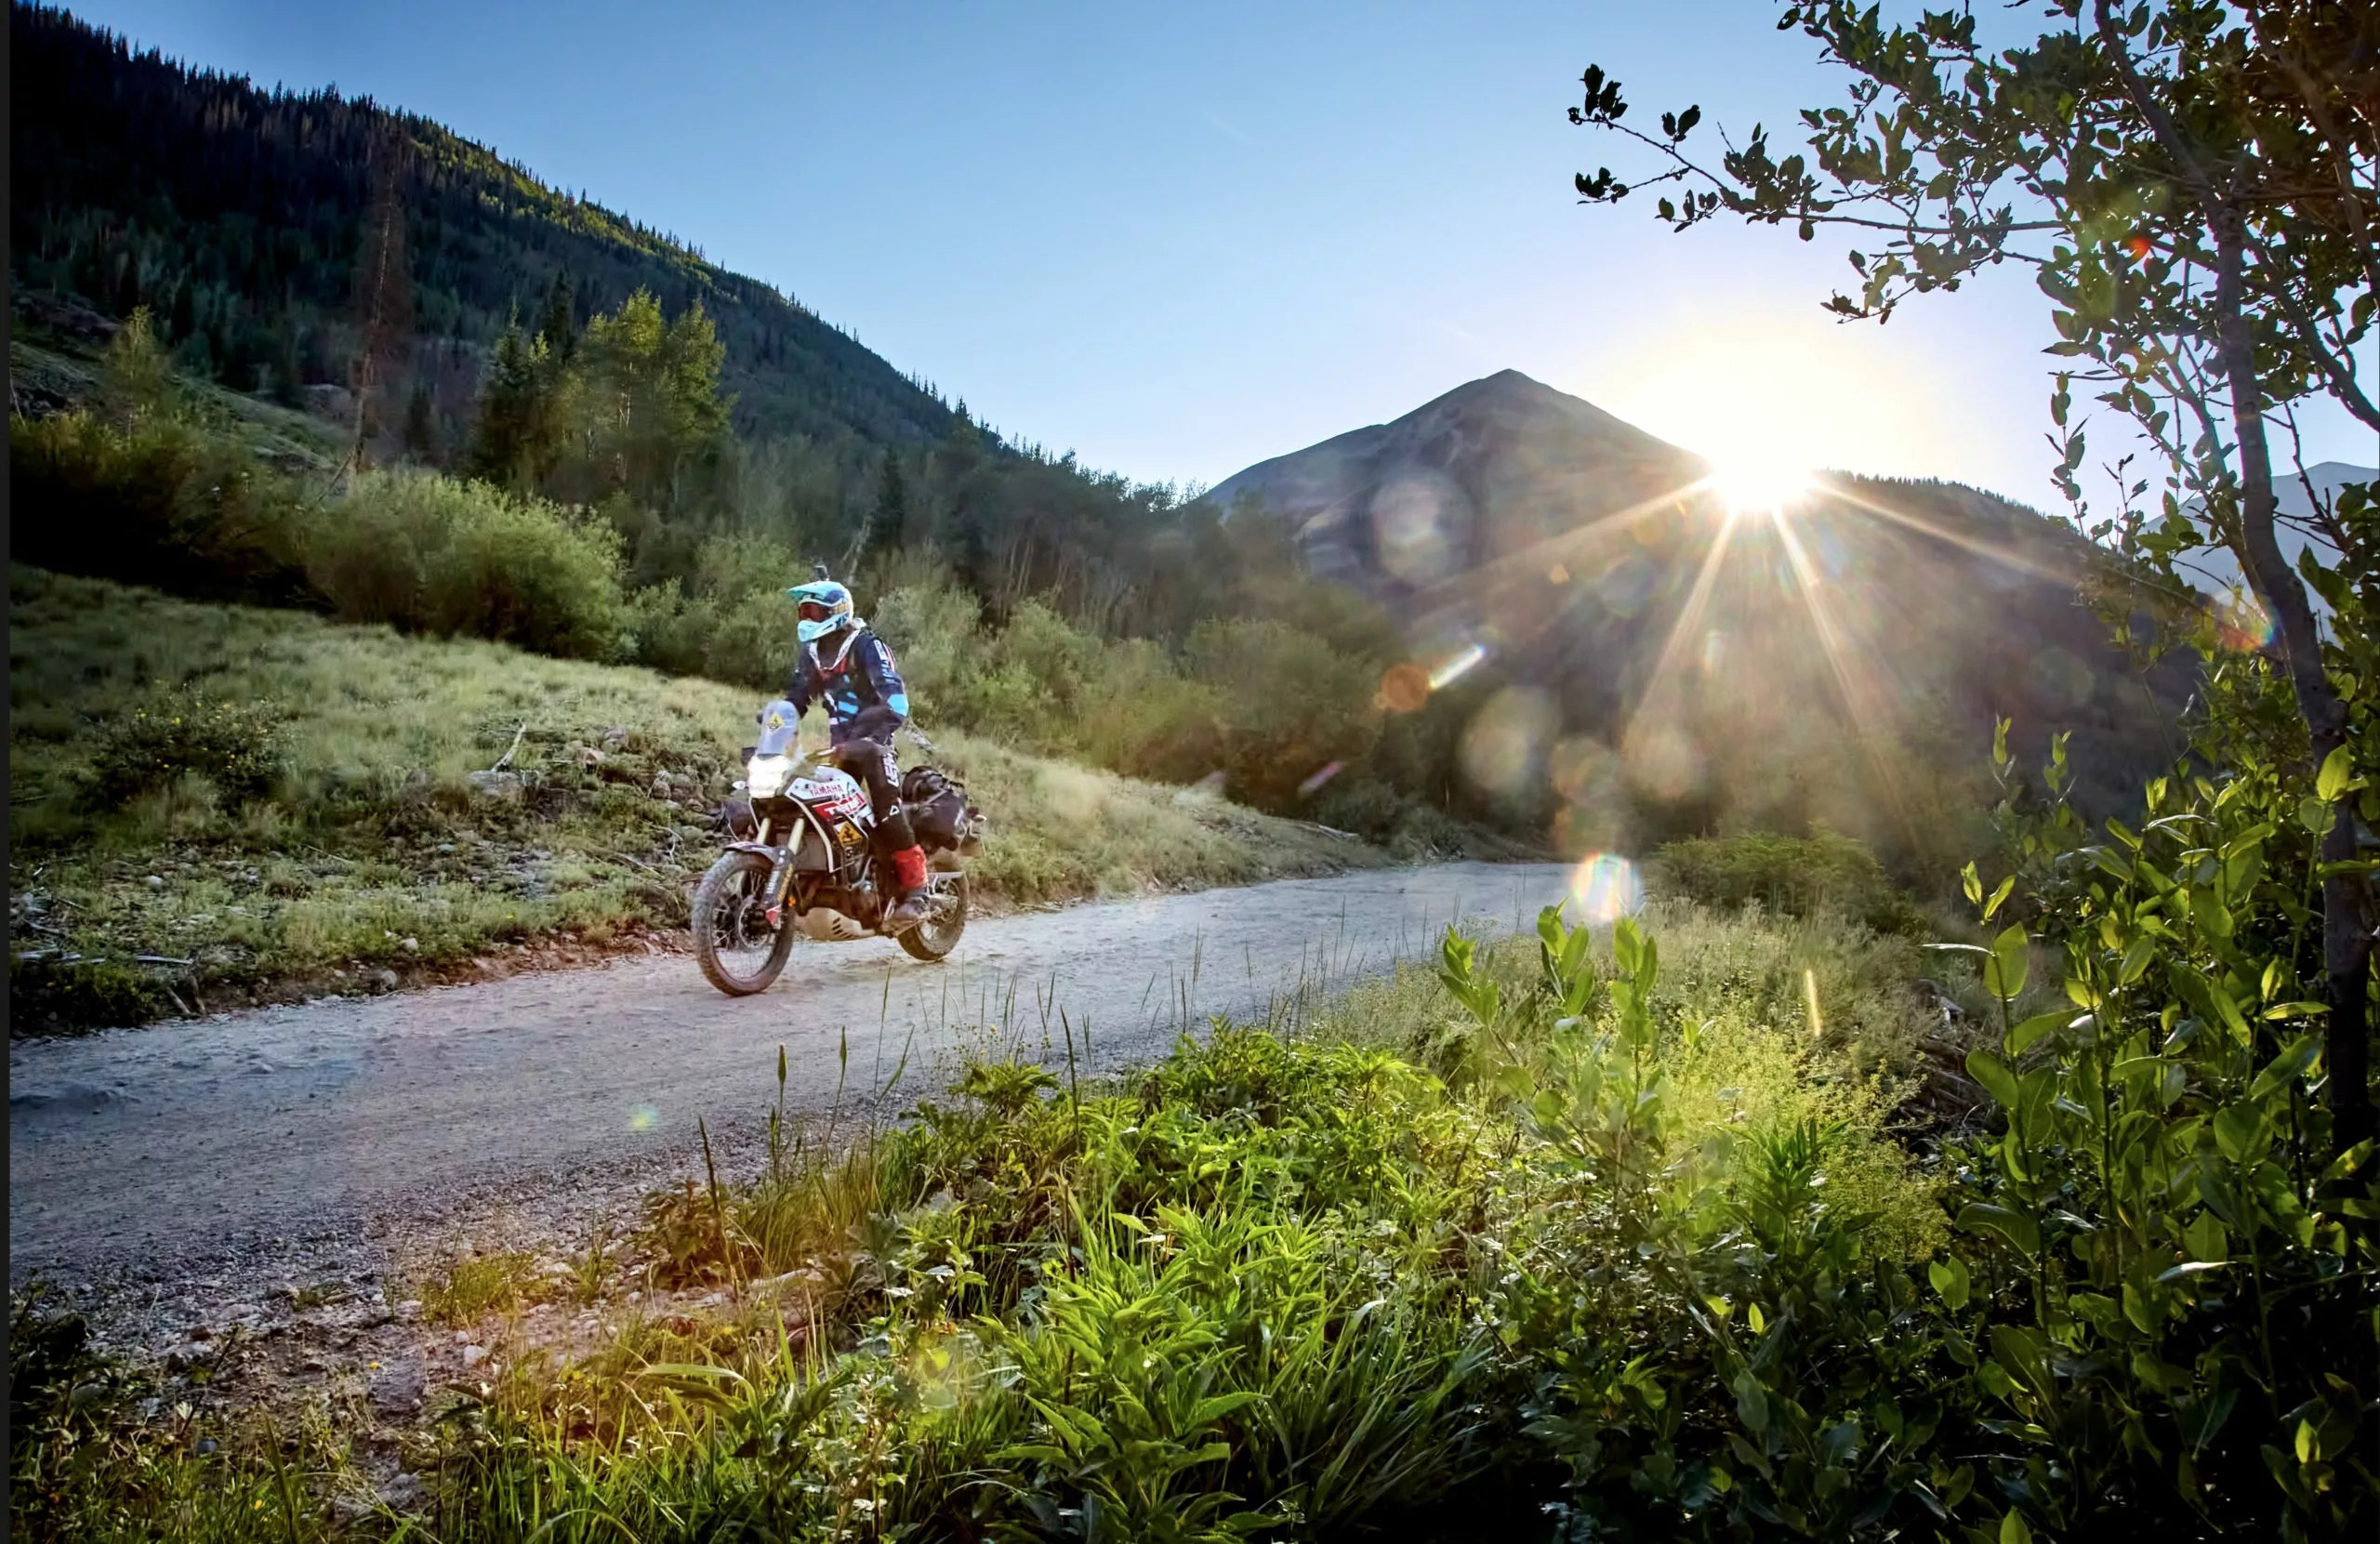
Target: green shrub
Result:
[[154, 501], [1290, 704], [1824, 872], [431, 554], [237, 746], [1364, 805], [934, 630]]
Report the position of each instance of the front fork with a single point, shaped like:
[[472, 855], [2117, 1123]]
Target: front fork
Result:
[[780, 874]]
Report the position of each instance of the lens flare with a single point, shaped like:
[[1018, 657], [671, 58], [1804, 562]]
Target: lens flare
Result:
[[1322, 775], [1403, 687], [1753, 486], [1604, 888], [1455, 669], [645, 1118], [1503, 747], [2241, 624]]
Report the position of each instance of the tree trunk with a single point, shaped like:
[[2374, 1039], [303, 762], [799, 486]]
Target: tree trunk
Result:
[[2347, 926]]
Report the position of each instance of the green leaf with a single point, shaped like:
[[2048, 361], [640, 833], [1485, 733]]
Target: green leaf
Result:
[[2349, 1161], [2205, 1237], [2033, 1029], [2013, 1529], [2188, 1268], [1950, 1281], [1993, 1073], [2284, 1069], [2004, 968], [1751, 1401], [2015, 1227], [2336, 776], [2314, 814], [1969, 879], [1998, 897]]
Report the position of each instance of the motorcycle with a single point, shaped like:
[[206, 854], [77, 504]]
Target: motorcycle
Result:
[[801, 862]]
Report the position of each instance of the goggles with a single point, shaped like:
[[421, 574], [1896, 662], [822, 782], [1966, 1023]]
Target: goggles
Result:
[[813, 611]]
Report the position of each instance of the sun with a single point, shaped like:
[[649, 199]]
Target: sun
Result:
[[1758, 485]]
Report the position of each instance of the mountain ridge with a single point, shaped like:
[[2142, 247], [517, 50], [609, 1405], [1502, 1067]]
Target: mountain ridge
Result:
[[234, 214], [1769, 669], [1438, 506]]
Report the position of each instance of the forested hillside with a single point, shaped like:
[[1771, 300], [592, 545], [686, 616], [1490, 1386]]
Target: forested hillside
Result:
[[662, 445], [233, 213]]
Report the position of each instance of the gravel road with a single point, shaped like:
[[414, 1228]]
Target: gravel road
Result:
[[327, 1120]]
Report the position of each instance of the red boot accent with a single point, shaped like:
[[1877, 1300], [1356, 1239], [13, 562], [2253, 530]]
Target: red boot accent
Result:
[[909, 869]]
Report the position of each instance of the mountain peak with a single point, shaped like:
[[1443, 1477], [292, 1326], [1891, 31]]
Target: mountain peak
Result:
[[1503, 462]]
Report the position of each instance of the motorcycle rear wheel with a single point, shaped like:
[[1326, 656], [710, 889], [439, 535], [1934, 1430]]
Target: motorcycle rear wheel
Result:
[[738, 950], [937, 935]]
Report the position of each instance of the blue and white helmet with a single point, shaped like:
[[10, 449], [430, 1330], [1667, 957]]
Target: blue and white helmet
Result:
[[825, 608]]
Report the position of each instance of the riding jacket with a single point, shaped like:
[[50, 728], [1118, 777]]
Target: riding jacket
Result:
[[861, 679]]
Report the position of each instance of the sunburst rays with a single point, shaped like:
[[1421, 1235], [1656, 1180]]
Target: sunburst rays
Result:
[[1508, 600]]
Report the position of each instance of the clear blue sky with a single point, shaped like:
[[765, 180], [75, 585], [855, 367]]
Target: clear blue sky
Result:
[[1182, 239]]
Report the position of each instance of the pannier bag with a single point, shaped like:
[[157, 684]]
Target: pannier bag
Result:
[[938, 810]]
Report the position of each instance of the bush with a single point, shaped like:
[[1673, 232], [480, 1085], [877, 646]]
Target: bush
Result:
[[430, 554], [935, 632], [157, 502], [237, 746], [1290, 704], [1824, 872]]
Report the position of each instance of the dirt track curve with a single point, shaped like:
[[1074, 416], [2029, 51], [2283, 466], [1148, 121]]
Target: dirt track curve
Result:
[[171, 1142]]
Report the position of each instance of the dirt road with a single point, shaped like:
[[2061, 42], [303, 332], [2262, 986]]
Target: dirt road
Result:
[[159, 1143]]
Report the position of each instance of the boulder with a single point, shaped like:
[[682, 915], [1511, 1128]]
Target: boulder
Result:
[[501, 787]]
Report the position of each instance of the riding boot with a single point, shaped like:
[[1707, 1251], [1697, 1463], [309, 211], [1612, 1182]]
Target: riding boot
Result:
[[910, 878]]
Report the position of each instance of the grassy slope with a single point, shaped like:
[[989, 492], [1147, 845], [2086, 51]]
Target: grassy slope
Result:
[[373, 856], [62, 371]]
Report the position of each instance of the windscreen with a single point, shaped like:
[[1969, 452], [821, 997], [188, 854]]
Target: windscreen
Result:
[[779, 725]]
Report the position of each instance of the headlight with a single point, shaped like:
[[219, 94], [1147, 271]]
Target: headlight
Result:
[[766, 776]]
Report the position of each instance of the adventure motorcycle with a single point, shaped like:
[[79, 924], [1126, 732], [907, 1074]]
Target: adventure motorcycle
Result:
[[803, 861]]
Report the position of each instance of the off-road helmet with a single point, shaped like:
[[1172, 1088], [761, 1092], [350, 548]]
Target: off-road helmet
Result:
[[826, 616], [823, 607]]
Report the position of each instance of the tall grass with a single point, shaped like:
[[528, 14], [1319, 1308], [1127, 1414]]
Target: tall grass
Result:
[[140, 732]]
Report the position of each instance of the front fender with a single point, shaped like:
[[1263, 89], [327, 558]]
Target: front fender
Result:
[[780, 866]]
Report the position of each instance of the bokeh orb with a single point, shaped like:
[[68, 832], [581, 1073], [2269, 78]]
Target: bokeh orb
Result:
[[1504, 747], [1604, 888], [1403, 687]]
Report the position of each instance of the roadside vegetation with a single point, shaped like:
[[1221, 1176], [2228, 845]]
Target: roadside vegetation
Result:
[[214, 803], [1674, 1230]]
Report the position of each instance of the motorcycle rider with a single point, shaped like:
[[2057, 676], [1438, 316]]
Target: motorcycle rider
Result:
[[845, 666]]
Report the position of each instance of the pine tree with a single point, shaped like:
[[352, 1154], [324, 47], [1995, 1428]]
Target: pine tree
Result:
[[890, 518], [421, 429], [558, 330], [513, 410]]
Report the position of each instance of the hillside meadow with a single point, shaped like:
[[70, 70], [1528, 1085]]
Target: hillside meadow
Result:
[[212, 804]]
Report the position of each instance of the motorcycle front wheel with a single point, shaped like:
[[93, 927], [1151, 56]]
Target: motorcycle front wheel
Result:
[[739, 953]]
